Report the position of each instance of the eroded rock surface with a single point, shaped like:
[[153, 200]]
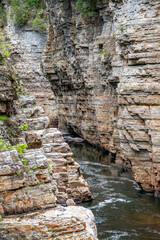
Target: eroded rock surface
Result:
[[58, 223]]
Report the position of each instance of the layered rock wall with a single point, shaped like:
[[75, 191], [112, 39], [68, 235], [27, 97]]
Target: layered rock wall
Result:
[[104, 72], [45, 174], [137, 64], [79, 73], [27, 49]]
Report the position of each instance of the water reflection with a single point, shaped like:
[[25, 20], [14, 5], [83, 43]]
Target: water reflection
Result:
[[121, 210]]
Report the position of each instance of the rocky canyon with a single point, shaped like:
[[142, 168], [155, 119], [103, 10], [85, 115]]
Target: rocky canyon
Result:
[[104, 72], [96, 76]]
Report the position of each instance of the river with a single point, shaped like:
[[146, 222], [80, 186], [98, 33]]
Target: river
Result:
[[122, 211]]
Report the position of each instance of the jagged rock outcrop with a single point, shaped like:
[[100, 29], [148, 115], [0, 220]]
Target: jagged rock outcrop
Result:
[[104, 73]]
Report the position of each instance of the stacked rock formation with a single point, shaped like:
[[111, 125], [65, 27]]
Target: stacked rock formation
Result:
[[42, 177]]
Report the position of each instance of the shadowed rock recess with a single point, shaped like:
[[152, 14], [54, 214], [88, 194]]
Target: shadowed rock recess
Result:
[[104, 71]]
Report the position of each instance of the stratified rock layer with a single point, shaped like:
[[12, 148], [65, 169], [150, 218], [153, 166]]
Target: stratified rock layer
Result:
[[138, 91], [104, 72], [58, 223], [46, 174]]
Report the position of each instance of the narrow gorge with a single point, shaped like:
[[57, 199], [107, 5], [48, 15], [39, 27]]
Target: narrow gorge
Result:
[[88, 68]]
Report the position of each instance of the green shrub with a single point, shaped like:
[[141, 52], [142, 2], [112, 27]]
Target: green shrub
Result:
[[2, 15], [27, 12], [20, 147], [3, 117], [5, 47], [86, 7], [24, 127], [39, 23]]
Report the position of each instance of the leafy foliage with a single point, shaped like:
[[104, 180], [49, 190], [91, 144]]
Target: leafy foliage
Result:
[[39, 23], [5, 47], [86, 7], [2, 15], [20, 147], [27, 12], [4, 146], [24, 127], [3, 117]]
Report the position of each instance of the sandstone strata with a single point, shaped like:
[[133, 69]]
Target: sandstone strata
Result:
[[27, 49], [58, 223], [46, 173], [104, 73]]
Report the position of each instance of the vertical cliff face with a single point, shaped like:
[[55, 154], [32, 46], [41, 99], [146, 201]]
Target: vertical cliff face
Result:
[[27, 50], [79, 51], [105, 77], [137, 65]]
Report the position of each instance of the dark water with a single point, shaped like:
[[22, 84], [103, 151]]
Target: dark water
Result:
[[121, 210]]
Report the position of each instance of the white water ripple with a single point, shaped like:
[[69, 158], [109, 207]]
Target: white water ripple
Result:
[[111, 200]]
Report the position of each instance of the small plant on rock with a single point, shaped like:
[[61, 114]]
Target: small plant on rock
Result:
[[5, 47], [24, 127], [122, 29], [20, 148], [4, 146]]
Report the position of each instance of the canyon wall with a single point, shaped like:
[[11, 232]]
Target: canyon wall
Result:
[[104, 72], [27, 49]]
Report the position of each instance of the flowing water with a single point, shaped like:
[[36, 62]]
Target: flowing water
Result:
[[121, 210]]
